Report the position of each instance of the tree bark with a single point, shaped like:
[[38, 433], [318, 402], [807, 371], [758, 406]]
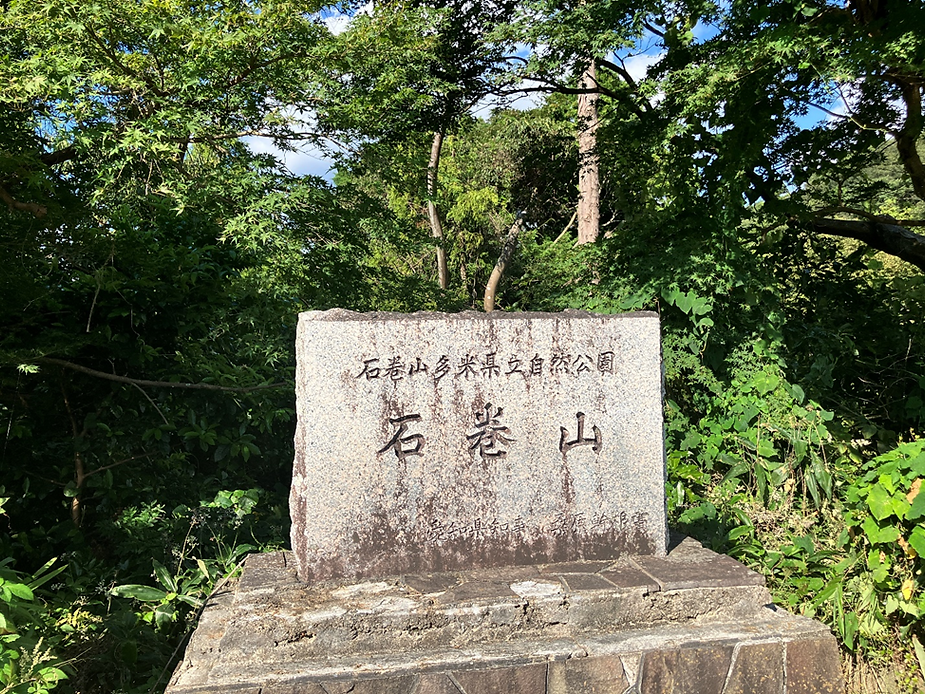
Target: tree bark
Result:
[[37, 211], [884, 236], [907, 138], [507, 250], [433, 214], [589, 185]]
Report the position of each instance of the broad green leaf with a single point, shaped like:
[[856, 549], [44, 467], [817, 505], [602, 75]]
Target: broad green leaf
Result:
[[849, 628], [917, 540], [139, 592], [21, 591], [880, 502], [878, 535], [740, 531], [164, 576], [736, 471], [129, 651], [916, 508]]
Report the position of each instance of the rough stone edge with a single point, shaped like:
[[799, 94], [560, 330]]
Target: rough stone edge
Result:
[[340, 314]]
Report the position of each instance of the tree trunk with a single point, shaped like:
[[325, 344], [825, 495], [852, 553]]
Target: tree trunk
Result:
[[589, 185], [908, 136], [433, 215], [507, 250]]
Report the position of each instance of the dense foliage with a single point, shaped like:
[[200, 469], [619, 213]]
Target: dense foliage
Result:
[[761, 188]]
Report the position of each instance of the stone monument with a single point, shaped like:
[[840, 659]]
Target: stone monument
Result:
[[478, 508], [435, 442]]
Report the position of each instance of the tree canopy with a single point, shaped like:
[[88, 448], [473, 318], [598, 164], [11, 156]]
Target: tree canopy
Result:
[[761, 185]]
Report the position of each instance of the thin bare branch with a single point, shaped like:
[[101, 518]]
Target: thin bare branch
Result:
[[157, 384]]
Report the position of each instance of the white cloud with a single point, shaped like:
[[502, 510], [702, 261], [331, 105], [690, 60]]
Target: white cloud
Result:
[[306, 160], [638, 65], [337, 23], [484, 108]]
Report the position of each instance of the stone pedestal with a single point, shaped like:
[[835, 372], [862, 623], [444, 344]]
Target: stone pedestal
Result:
[[692, 621]]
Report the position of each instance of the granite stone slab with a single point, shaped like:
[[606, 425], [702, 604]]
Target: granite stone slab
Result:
[[435, 442]]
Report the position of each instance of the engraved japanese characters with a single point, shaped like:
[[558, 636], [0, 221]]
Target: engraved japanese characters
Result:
[[433, 442]]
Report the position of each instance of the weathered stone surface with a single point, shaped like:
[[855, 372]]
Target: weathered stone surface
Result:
[[577, 582], [389, 685], [435, 442], [291, 688], [813, 667], [476, 591], [527, 679], [435, 684], [757, 669], [658, 672], [702, 669], [428, 584], [596, 675], [688, 570], [576, 567], [625, 575], [691, 669]]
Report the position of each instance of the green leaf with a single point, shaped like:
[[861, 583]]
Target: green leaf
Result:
[[917, 540], [880, 502], [878, 535], [685, 301], [164, 615], [917, 507], [766, 449], [738, 532], [164, 576], [805, 543], [139, 592], [919, 653], [190, 600], [21, 591], [849, 629], [900, 506], [129, 651], [765, 382], [736, 472], [795, 392]]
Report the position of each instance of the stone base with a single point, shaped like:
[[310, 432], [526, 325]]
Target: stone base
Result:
[[693, 621]]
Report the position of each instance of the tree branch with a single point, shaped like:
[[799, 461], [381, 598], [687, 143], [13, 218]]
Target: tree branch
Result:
[[651, 27], [58, 157], [433, 213], [620, 70], [555, 87], [884, 236], [507, 250], [36, 210], [117, 463], [156, 384]]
